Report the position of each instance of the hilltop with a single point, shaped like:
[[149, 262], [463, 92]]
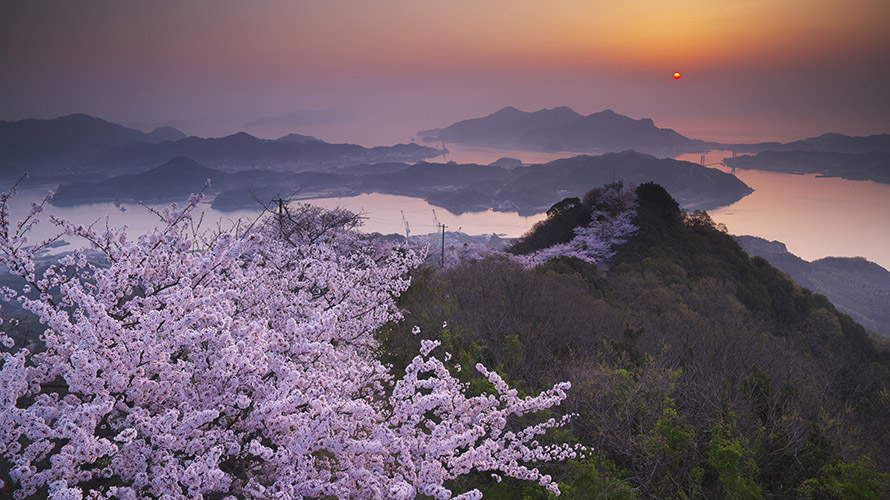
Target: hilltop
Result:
[[563, 129], [696, 369]]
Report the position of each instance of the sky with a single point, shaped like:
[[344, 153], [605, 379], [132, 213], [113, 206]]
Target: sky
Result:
[[375, 71]]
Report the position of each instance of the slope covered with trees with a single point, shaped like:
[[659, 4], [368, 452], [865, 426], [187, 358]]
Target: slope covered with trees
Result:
[[283, 361], [697, 371]]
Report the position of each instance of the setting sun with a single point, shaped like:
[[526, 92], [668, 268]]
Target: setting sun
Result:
[[677, 75]]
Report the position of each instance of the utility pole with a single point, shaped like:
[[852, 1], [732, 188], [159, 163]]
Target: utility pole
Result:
[[281, 203], [443, 245], [407, 230]]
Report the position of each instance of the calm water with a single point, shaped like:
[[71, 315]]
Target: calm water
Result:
[[382, 213], [815, 217]]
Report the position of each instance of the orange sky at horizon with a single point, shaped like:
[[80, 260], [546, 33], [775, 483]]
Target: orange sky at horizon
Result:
[[400, 35], [142, 59]]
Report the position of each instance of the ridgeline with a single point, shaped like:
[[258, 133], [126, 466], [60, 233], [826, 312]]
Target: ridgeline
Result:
[[697, 371]]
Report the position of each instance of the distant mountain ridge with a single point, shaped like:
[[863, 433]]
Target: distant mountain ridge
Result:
[[829, 142], [80, 144], [870, 166], [36, 143], [459, 188], [694, 186], [856, 286], [166, 133], [176, 179], [563, 129], [297, 138], [507, 124], [242, 151]]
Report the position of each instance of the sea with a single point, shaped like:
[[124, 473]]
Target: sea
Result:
[[814, 216]]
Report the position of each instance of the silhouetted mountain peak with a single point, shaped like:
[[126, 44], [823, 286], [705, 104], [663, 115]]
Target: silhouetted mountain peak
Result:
[[507, 110], [76, 117], [563, 129], [34, 143], [297, 138], [241, 137], [556, 116], [609, 116], [161, 134], [632, 154], [182, 166]]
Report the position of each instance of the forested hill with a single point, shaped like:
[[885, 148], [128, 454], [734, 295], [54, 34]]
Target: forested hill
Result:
[[696, 370], [855, 285]]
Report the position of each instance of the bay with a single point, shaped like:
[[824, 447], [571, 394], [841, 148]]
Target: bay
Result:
[[814, 216], [381, 213]]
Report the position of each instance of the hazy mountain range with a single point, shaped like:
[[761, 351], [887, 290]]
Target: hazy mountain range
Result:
[[856, 286], [838, 143], [563, 129], [99, 160], [459, 188], [181, 176], [32, 143], [243, 151], [77, 145], [864, 166]]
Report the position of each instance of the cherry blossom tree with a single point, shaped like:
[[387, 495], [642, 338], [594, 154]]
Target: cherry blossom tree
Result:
[[611, 223], [595, 242], [239, 365]]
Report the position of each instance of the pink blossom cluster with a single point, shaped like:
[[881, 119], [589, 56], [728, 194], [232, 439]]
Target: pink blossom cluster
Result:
[[239, 364], [595, 242], [611, 223]]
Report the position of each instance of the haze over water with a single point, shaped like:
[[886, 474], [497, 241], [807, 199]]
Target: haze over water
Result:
[[374, 73], [815, 217]]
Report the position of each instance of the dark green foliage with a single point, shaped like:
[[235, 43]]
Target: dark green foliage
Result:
[[730, 458], [589, 479], [846, 481], [697, 371], [558, 227]]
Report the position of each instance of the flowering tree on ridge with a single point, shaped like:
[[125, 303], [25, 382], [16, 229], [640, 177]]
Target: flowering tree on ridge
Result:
[[238, 366], [611, 210]]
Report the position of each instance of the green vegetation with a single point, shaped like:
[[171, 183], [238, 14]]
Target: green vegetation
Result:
[[697, 371]]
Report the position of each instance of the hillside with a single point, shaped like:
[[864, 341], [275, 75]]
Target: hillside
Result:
[[856, 286], [697, 371]]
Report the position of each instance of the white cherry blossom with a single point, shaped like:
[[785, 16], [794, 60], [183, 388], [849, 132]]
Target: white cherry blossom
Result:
[[240, 364]]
